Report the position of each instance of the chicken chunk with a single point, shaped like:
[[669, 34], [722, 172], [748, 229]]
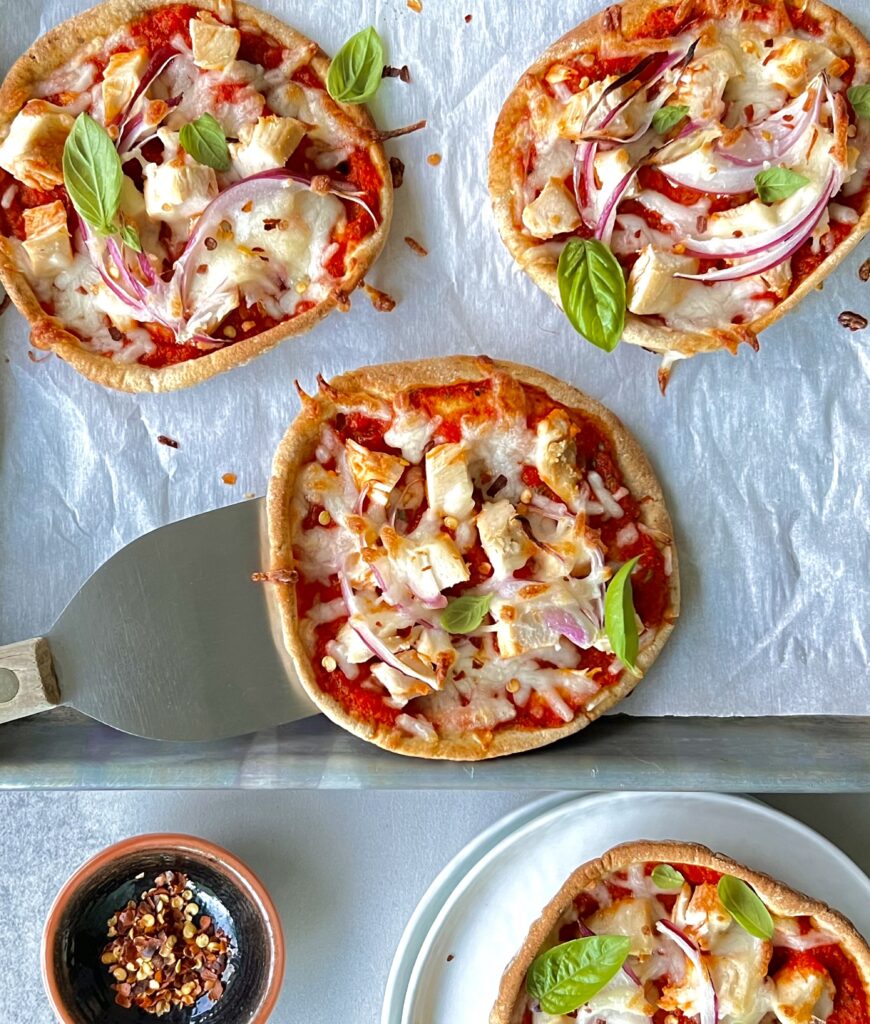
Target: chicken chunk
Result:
[[554, 212], [652, 286], [32, 151], [47, 242], [121, 80], [448, 484], [214, 45], [379, 472]]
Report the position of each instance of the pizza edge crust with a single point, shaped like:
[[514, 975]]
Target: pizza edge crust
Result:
[[55, 48], [386, 381], [779, 897], [598, 33]]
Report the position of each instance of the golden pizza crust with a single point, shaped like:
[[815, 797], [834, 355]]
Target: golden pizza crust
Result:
[[611, 32], [777, 896], [384, 382], [85, 33]]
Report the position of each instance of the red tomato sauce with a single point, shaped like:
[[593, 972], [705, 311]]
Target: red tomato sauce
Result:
[[850, 1001], [653, 178], [156, 28], [475, 400], [260, 49]]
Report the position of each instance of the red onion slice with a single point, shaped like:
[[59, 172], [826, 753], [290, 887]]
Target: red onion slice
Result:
[[710, 1010], [567, 625], [373, 642]]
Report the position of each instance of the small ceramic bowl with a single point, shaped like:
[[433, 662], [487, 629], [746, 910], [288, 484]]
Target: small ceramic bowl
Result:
[[79, 986]]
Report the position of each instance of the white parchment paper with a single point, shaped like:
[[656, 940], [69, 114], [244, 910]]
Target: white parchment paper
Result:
[[763, 457]]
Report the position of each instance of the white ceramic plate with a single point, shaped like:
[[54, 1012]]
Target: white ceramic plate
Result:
[[504, 878]]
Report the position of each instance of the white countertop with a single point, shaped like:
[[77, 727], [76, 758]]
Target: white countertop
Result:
[[346, 870]]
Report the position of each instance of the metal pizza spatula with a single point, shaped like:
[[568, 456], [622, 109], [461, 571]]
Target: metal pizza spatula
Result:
[[169, 639]]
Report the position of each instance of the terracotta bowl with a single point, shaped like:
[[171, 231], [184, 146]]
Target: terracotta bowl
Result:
[[79, 985]]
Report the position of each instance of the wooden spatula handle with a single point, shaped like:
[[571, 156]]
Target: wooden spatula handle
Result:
[[27, 681]]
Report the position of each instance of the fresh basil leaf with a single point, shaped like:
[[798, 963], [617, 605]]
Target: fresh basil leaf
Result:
[[205, 141], [92, 173], [356, 70], [569, 975], [666, 877], [130, 236], [859, 97], [619, 620], [778, 183], [592, 289], [745, 906], [465, 614], [666, 118]]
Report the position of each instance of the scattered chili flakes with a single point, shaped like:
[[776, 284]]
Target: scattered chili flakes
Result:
[[402, 73], [467, 19], [164, 952], [450, 955], [415, 246], [863, 273], [34, 358], [416, 6], [397, 171], [275, 576], [229, 479], [170, 442], [382, 302], [434, 159], [853, 321]]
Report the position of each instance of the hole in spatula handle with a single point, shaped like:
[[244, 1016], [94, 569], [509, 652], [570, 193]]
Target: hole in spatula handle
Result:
[[9, 685]]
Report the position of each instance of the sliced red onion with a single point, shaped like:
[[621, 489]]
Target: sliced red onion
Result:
[[710, 1010], [772, 138], [158, 63], [373, 642], [567, 625], [776, 253], [551, 509]]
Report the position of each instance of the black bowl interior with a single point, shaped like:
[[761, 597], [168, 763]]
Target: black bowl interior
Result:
[[85, 985]]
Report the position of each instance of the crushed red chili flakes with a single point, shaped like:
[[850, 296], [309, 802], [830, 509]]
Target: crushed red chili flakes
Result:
[[163, 951], [863, 270], [275, 576], [170, 442], [229, 479], [397, 171], [402, 73], [34, 358], [854, 321], [467, 19], [382, 302], [433, 159], [415, 246]]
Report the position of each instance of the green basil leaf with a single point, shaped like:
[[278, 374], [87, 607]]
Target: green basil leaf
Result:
[[569, 975], [205, 141], [859, 97], [356, 70], [666, 877], [130, 236], [619, 621], [778, 183], [92, 173], [465, 614], [592, 289], [744, 905], [666, 118]]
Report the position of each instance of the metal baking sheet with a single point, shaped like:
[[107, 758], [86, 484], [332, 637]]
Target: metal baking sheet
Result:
[[763, 457]]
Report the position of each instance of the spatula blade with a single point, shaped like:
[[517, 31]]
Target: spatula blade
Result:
[[171, 640]]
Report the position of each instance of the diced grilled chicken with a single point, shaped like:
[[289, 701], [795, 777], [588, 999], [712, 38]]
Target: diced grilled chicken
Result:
[[428, 566], [121, 80], [652, 287], [377, 472], [448, 484], [553, 212], [556, 457], [504, 540], [47, 242], [32, 152], [214, 45], [266, 144]]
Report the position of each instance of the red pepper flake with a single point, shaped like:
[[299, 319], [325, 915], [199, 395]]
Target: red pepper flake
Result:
[[864, 271], [415, 246], [170, 442], [450, 955], [229, 479], [210, 243], [401, 73], [382, 302], [34, 358], [854, 321], [434, 159], [467, 19], [275, 576], [397, 172], [163, 951], [416, 6]]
